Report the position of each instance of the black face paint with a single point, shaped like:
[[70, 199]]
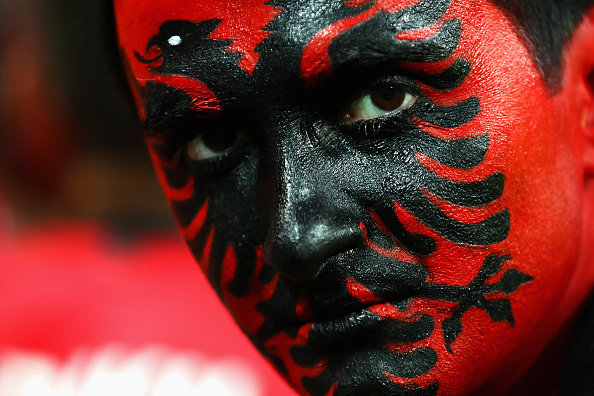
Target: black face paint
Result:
[[293, 226]]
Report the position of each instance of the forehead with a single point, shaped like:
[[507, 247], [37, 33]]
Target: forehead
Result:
[[242, 21], [298, 32], [250, 55]]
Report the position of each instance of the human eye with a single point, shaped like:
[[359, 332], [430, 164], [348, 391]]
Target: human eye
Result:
[[207, 145], [380, 100], [215, 144]]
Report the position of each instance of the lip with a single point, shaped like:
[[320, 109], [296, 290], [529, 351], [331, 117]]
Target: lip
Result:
[[349, 326], [354, 325], [348, 294]]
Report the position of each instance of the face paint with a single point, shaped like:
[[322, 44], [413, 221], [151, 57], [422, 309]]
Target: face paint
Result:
[[368, 185]]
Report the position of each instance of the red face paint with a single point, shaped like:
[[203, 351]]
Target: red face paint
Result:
[[241, 21], [431, 247]]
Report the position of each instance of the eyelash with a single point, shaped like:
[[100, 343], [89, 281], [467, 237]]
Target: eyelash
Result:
[[214, 165], [177, 137], [390, 125], [363, 126], [174, 141]]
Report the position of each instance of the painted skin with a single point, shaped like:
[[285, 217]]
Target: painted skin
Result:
[[360, 181]]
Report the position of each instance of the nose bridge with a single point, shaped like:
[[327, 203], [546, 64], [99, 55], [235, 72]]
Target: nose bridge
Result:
[[310, 219], [300, 204], [295, 183]]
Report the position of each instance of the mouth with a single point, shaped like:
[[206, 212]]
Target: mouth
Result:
[[349, 326], [349, 300], [383, 320]]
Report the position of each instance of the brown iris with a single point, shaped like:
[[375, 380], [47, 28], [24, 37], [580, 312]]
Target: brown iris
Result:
[[213, 144], [378, 102], [220, 141], [388, 98]]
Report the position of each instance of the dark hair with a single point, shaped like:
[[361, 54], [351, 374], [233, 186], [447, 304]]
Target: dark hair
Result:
[[546, 27]]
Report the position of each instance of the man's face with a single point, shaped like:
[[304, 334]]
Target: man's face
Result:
[[384, 194]]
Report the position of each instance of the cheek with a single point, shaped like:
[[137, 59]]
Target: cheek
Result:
[[539, 156], [545, 189], [533, 143], [220, 229], [543, 194]]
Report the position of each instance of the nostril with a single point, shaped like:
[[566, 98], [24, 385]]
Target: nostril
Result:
[[302, 256]]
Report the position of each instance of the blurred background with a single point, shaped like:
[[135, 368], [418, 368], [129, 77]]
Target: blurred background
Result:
[[98, 294]]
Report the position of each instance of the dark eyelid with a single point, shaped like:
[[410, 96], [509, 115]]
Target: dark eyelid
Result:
[[448, 79], [445, 80], [180, 131], [172, 135], [358, 78], [169, 120], [350, 83], [165, 105], [407, 84]]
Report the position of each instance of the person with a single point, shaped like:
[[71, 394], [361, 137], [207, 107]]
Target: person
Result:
[[391, 197]]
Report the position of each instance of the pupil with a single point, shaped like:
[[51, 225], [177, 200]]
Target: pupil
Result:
[[388, 98], [220, 140]]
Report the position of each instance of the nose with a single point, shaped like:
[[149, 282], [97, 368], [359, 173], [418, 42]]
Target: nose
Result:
[[304, 235], [312, 217]]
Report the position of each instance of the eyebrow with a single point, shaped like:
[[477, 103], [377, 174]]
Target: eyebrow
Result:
[[356, 48], [360, 47], [163, 106]]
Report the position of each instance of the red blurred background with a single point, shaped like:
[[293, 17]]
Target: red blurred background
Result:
[[98, 294]]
